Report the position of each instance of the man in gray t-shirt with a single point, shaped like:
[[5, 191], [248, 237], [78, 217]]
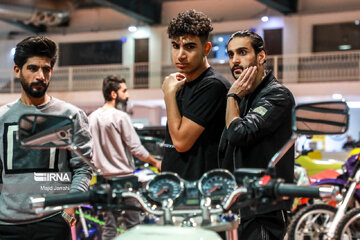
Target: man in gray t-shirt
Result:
[[34, 61], [115, 144]]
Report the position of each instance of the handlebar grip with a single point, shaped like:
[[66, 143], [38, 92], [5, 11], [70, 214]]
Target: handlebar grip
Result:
[[70, 198], [292, 190]]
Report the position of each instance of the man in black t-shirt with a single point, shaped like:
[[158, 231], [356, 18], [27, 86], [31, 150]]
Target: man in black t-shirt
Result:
[[195, 99]]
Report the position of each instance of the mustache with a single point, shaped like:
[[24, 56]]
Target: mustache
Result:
[[237, 66], [38, 83]]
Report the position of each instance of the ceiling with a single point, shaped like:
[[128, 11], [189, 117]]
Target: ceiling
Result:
[[19, 17]]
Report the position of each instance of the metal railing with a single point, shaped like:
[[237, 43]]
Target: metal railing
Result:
[[312, 67]]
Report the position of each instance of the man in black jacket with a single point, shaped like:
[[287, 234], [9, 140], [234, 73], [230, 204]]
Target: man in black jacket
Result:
[[258, 124]]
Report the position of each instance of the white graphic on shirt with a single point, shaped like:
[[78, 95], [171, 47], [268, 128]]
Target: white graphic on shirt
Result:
[[52, 177], [10, 148]]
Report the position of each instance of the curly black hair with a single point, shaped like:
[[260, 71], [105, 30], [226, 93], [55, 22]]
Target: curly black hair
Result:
[[190, 22]]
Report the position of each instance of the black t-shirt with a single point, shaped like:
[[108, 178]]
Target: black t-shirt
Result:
[[203, 101]]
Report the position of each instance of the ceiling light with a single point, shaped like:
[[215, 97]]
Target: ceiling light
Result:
[[12, 51], [344, 47], [132, 29], [264, 18], [337, 96]]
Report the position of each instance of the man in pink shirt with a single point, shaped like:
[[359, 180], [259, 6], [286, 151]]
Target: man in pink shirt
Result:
[[115, 142]]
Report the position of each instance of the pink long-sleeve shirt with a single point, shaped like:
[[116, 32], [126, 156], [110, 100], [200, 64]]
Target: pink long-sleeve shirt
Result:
[[115, 141]]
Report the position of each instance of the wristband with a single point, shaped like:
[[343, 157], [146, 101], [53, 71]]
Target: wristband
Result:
[[69, 219], [234, 96]]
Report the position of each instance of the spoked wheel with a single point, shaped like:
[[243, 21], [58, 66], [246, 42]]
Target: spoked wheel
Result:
[[349, 226], [311, 222]]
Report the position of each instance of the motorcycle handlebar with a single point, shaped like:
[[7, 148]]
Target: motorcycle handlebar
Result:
[[85, 197], [57, 200], [281, 189], [292, 190]]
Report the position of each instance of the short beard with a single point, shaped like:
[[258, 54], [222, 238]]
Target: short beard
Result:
[[254, 63], [33, 92], [232, 70], [121, 104]]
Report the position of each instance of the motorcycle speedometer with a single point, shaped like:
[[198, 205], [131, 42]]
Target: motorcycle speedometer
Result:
[[165, 186], [217, 184]]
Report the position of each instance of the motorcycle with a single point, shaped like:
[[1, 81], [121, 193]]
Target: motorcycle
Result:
[[326, 177], [325, 221], [315, 166], [207, 205]]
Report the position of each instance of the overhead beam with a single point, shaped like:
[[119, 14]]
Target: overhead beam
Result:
[[27, 27], [143, 10], [283, 6]]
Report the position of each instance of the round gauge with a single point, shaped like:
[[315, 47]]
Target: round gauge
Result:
[[217, 184], [164, 186]]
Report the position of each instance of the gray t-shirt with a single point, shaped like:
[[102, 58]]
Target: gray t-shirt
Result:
[[115, 141], [38, 172]]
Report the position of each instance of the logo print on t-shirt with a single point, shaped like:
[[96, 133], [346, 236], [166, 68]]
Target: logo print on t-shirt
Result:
[[20, 160]]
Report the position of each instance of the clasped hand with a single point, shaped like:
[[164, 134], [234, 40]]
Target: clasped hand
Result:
[[173, 83], [244, 84]]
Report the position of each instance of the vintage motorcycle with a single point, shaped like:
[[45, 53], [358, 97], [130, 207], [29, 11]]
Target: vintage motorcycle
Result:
[[177, 208], [324, 221]]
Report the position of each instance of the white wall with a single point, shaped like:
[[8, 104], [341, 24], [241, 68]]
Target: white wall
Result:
[[156, 57], [354, 126], [6, 62]]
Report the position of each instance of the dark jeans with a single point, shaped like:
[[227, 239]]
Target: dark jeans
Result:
[[131, 218], [268, 226], [53, 228]]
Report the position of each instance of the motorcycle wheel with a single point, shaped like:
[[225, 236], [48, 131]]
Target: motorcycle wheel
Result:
[[310, 222], [349, 226]]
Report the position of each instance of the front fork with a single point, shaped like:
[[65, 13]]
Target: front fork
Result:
[[343, 206]]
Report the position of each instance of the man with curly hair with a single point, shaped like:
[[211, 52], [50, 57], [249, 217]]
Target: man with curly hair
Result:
[[195, 99]]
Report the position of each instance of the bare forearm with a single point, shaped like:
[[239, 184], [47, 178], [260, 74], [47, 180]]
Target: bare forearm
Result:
[[183, 131], [171, 85], [151, 160], [232, 111], [173, 116]]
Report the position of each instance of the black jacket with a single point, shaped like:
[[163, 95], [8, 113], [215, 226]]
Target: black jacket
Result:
[[263, 128]]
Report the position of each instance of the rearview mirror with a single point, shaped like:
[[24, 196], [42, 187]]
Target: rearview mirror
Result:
[[44, 131], [321, 118]]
